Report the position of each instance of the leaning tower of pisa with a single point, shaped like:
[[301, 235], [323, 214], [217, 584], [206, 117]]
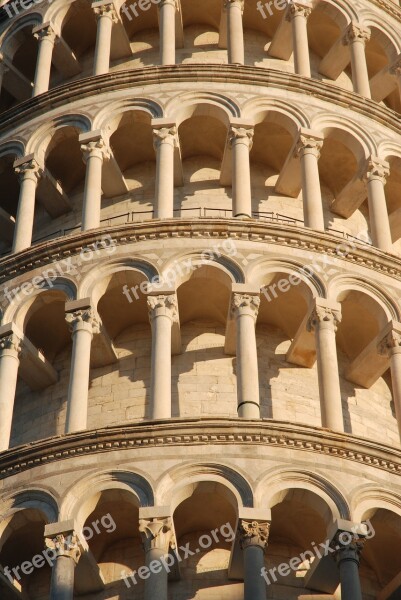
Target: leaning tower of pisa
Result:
[[200, 289]]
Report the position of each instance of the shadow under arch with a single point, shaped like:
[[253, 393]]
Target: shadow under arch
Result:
[[175, 486]]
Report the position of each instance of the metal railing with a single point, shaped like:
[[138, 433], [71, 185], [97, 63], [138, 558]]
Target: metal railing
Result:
[[197, 212]]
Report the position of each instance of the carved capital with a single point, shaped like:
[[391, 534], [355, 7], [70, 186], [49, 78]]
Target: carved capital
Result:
[[165, 135], [230, 3], [356, 32], [30, 169], [390, 344], [242, 134], [86, 319], [157, 533], [253, 533], [45, 32], [323, 316], [97, 147], [377, 169], [244, 304], [347, 546], [163, 305], [297, 10], [11, 343], [65, 544], [106, 10], [308, 144], [173, 3]]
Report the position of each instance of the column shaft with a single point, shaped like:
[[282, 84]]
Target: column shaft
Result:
[[29, 173], [235, 33], [46, 38], [165, 142], [376, 174], [9, 362], [167, 32], [395, 362], [83, 323], [162, 311], [94, 152], [324, 322], [356, 37], [253, 536], [308, 148], [298, 16], [350, 582], [105, 17], [62, 580], [240, 139], [244, 308]]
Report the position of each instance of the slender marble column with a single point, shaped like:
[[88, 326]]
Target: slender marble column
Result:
[[84, 322], [240, 140], [29, 173], [167, 9], [94, 152], [244, 309], [235, 33], [376, 173], [3, 70], [395, 70], [165, 140], [157, 537], [391, 346], [162, 313], [106, 15], [323, 321], [10, 352], [253, 537], [347, 549], [46, 38], [308, 149], [298, 14], [67, 554], [356, 37]]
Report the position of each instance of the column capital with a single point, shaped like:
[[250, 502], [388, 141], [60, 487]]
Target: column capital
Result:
[[80, 315], [230, 3], [173, 3], [298, 9], [65, 544], [44, 31], [347, 546], [308, 142], [166, 135], [356, 32], [395, 67], [10, 340], [105, 9], [241, 133], [243, 303], [376, 168], [253, 533], [93, 144], [27, 167], [391, 342], [157, 533], [325, 315], [163, 305]]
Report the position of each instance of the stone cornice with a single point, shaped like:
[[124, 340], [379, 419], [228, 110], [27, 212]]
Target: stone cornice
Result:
[[128, 79], [198, 432], [281, 234]]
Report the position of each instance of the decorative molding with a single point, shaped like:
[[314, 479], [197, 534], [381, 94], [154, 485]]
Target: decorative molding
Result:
[[46, 253], [130, 79], [201, 432]]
